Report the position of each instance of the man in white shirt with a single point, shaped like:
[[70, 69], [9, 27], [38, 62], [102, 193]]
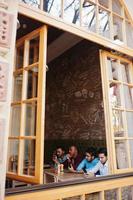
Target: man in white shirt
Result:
[[102, 165]]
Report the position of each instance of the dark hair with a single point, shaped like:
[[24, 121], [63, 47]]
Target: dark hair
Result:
[[60, 147], [103, 150], [91, 151]]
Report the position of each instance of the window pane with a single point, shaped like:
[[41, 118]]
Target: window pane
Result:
[[116, 7], [89, 16], [33, 3], [32, 83], [53, 7], [73, 198], [131, 151], [127, 193], [104, 3], [113, 69], [129, 116], [15, 120], [121, 154], [129, 34], [128, 94], [34, 51], [114, 94], [13, 146], [111, 194], [117, 24], [18, 80], [125, 73], [118, 123], [28, 167], [30, 119], [20, 57], [104, 28], [72, 11], [92, 196]]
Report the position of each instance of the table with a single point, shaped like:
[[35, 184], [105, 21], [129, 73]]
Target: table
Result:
[[65, 176]]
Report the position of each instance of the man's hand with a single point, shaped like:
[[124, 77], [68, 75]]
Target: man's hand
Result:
[[71, 169]]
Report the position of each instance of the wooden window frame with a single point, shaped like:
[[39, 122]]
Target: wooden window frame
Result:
[[110, 138], [40, 100]]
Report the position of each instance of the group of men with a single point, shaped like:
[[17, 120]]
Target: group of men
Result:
[[92, 164]]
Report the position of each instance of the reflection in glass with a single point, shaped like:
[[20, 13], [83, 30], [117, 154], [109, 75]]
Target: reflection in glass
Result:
[[34, 51], [116, 6], [33, 3], [92, 196], [131, 151], [104, 28], [32, 84], [19, 57], [111, 194], [89, 16], [72, 11], [129, 116], [53, 7], [127, 193], [15, 120], [28, 167], [113, 69], [121, 154], [129, 34], [125, 72], [128, 94], [18, 79], [117, 24], [117, 121], [104, 3], [114, 94], [30, 119], [13, 146]]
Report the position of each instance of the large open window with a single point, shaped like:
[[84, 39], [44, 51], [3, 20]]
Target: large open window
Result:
[[117, 75], [25, 149]]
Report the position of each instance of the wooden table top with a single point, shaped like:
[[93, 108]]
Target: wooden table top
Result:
[[65, 176]]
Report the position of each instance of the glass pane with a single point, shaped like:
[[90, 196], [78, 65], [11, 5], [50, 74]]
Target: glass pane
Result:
[[20, 57], [15, 120], [118, 123], [114, 95], [93, 196], [73, 198], [128, 94], [126, 73], [28, 167], [30, 119], [121, 154], [131, 151], [34, 51], [111, 194], [104, 28], [53, 7], [89, 16], [127, 193], [18, 80], [104, 3], [72, 11], [13, 146], [113, 69], [129, 34], [129, 116], [32, 83], [33, 3], [117, 24], [116, 6]]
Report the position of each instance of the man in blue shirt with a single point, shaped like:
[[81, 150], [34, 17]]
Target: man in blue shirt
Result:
[[89, 162]]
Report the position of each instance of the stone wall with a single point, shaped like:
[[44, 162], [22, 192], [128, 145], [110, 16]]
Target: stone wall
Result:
[[74, 106]]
